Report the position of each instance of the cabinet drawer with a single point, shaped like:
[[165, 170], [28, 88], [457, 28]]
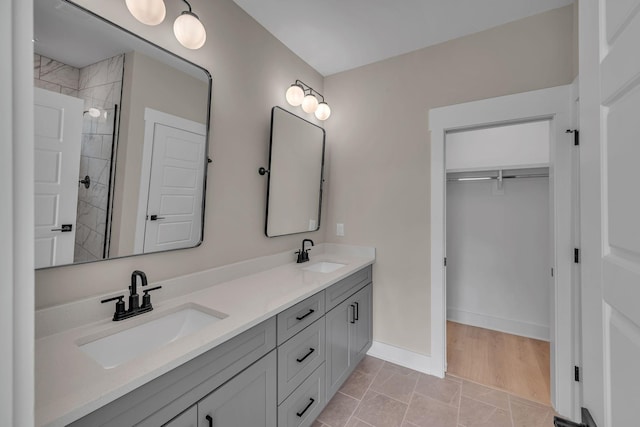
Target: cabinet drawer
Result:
[[346, 287], [305, 403], [296, 318], [299, 357]]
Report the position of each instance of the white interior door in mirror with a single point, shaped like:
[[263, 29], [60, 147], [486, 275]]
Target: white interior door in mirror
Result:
[[58, 125], [172, 205], [295, 175]]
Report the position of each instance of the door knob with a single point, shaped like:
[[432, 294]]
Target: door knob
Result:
[[155, 217], [64, 228]]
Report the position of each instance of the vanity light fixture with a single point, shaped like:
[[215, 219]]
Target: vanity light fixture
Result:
[[189, 30], [187, 27], [149, 12], [301, 93]]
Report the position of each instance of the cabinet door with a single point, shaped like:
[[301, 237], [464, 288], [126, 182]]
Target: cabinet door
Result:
[[188, 418], [362, 328], [338, 352], [249, 399]]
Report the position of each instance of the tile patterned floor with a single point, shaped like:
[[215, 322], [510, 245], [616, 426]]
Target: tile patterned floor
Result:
[[381, 394]]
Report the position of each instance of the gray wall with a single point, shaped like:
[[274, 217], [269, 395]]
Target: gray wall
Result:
[[499, 255], [378, 146]]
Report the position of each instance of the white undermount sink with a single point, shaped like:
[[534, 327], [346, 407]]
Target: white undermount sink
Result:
[[324, 267], [119, 347]]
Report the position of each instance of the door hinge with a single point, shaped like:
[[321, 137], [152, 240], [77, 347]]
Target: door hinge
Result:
[[576, 135], [551, 271], [445, 261], [576, 255], [576, 373]]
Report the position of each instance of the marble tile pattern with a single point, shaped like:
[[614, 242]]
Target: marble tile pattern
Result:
[[100, 86], [382, 394], [55, 76]]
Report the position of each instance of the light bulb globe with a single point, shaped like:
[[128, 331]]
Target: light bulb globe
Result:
[[295, 95], [323, 112], [149, 12], [309, 103], [189, 30]]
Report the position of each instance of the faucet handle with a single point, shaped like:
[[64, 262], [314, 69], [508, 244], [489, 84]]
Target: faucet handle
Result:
[[119, 305], [146, 298]]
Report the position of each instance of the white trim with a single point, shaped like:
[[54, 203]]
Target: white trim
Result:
[[16, 215], [554, 104], [400, 356], [151, 117], [510, 326]]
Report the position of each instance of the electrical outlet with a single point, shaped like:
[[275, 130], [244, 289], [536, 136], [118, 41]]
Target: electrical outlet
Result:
[[339, 229]]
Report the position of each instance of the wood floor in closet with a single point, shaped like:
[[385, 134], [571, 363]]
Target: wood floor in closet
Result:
[[509, 362]]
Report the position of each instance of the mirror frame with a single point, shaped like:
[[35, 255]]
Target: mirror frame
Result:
[[207, 160], [324, 138]]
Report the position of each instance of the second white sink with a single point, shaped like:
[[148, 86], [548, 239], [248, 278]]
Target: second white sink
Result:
[[119, 347], [324, 267]]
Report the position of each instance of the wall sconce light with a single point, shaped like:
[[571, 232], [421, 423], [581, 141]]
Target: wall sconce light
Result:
[[301, 93], [187, 27]]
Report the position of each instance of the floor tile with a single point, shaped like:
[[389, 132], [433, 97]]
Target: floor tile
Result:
[[395, 383], [338, 410], [426, 412], [526, 415], [380, 410], [443, 390], [355, 422], [357, 384], [494, 397], [370, 365]]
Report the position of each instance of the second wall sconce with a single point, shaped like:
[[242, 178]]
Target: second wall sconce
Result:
[[187, 27], [301, 93]]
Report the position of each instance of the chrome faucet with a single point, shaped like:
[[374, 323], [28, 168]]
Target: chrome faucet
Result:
[[303, 255], [134, 299]]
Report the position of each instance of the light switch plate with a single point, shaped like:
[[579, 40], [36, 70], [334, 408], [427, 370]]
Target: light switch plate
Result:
[[339, 229]]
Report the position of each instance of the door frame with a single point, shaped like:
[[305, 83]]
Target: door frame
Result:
[[554, 104], [151, 118]]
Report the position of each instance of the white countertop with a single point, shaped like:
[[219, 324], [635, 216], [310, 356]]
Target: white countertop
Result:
[[69, 384]]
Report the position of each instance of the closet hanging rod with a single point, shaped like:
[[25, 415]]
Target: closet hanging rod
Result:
[[487, 178]]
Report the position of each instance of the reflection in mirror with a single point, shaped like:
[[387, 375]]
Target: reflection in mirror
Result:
[[121, 130], [296, 160]]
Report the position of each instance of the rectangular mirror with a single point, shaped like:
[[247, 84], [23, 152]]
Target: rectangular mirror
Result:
[[121, 141], [296, 162]]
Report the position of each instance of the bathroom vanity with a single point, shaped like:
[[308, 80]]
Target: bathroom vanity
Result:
[[286, 340]]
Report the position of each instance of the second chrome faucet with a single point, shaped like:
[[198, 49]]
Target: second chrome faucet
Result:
[[134, 299]]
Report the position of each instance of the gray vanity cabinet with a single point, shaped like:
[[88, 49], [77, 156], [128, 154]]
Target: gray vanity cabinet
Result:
[[188, 418], [348, 337], [249, 399]]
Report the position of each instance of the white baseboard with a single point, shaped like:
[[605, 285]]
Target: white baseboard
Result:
[[400, 356], [515, 327]]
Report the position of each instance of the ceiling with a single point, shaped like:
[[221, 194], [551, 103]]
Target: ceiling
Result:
[[338, 35]]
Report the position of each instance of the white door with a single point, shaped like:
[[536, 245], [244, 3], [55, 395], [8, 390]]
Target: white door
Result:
[[174, 210], [58, 127], [610, 209]]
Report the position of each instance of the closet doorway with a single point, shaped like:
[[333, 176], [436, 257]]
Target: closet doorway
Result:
[[555, 106], [498, 246]]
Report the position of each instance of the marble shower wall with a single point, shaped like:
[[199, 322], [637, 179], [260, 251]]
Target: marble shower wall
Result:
[[100, 85], [55, 76]]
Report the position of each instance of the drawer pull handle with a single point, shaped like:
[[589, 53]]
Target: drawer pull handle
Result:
[[300, 360], [208, 418], [353, 314], [357, 311], [300, 414], [311, 311]]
